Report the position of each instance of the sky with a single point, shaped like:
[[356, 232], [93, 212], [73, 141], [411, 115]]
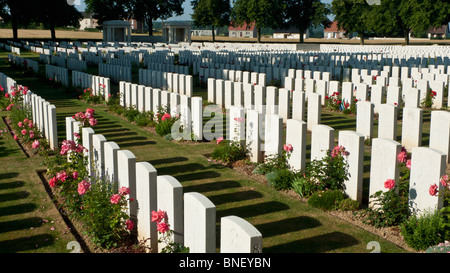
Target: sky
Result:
[[79, 4]]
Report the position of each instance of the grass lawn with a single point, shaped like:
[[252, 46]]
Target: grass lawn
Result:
[[287, 224]]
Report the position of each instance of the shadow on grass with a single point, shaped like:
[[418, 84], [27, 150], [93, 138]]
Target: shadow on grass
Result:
[[11, 185], [234, 197], [14, 196], [25, 244], [24, 223], [17, 209], [289, 225], [317, 244], [212, 186], [168, 160], [8, 175], [254, 209]]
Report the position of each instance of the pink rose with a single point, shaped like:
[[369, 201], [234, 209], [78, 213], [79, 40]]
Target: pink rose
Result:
[[288, 148], [124, 191], [158, 216], [92, 121], [75, 175], [24, 131], [35, 144], [433, 190], [52, 182], [165, 116], [389, 184], [115, 199], [129, 224], [62, 176], [20, 124], [402, 156], [162, 227], [83, 187], [444, 181], [408, 164]]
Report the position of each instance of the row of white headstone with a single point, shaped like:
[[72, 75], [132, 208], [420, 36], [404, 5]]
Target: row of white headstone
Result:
[[57, 74], [173, 82], [144, 98], [76, 65], [116, 73], [30, 64], [192, 216], [43, 113], [101, 86], [44, 118], [264, 133]]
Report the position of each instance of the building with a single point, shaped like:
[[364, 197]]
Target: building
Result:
[[243, 31], [176, 31], [332, 32], [291, 33], [116, 31], [88, 21], [440, 32]]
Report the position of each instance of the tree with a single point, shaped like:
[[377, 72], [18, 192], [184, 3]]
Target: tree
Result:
[[105, 10], [17, 12], [420, 15], [56, 13], [352, 15], [150, 10], [263, 13], [403, 16], [304, 14], [214, 13]]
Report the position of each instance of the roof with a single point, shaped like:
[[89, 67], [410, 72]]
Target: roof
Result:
[[333, 28], [440, 30], [242, 27]]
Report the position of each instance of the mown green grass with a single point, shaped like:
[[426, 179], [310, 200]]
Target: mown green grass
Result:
[[287, 224]]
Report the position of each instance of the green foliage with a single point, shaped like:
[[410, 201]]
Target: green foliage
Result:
[[303, 14], [104, 221], [389, 208], [348, 204], [326, 200], [421, 232], [264, 13], [281, 179], [214, 13], [303, 186], [427, 102], [89, 97], [229, 151]]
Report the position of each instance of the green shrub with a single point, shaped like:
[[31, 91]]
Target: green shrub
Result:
[[348, 204], [421, 232], [326, 200], [164, 128], [131, 113], [229, 151], [390, 208], [281, 179], [330, 172], [303, 186], [144, 119]]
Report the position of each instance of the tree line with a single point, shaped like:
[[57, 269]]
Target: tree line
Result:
[[391, 18]]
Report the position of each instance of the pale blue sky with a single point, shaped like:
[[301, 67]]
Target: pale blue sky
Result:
[[187, 9]]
